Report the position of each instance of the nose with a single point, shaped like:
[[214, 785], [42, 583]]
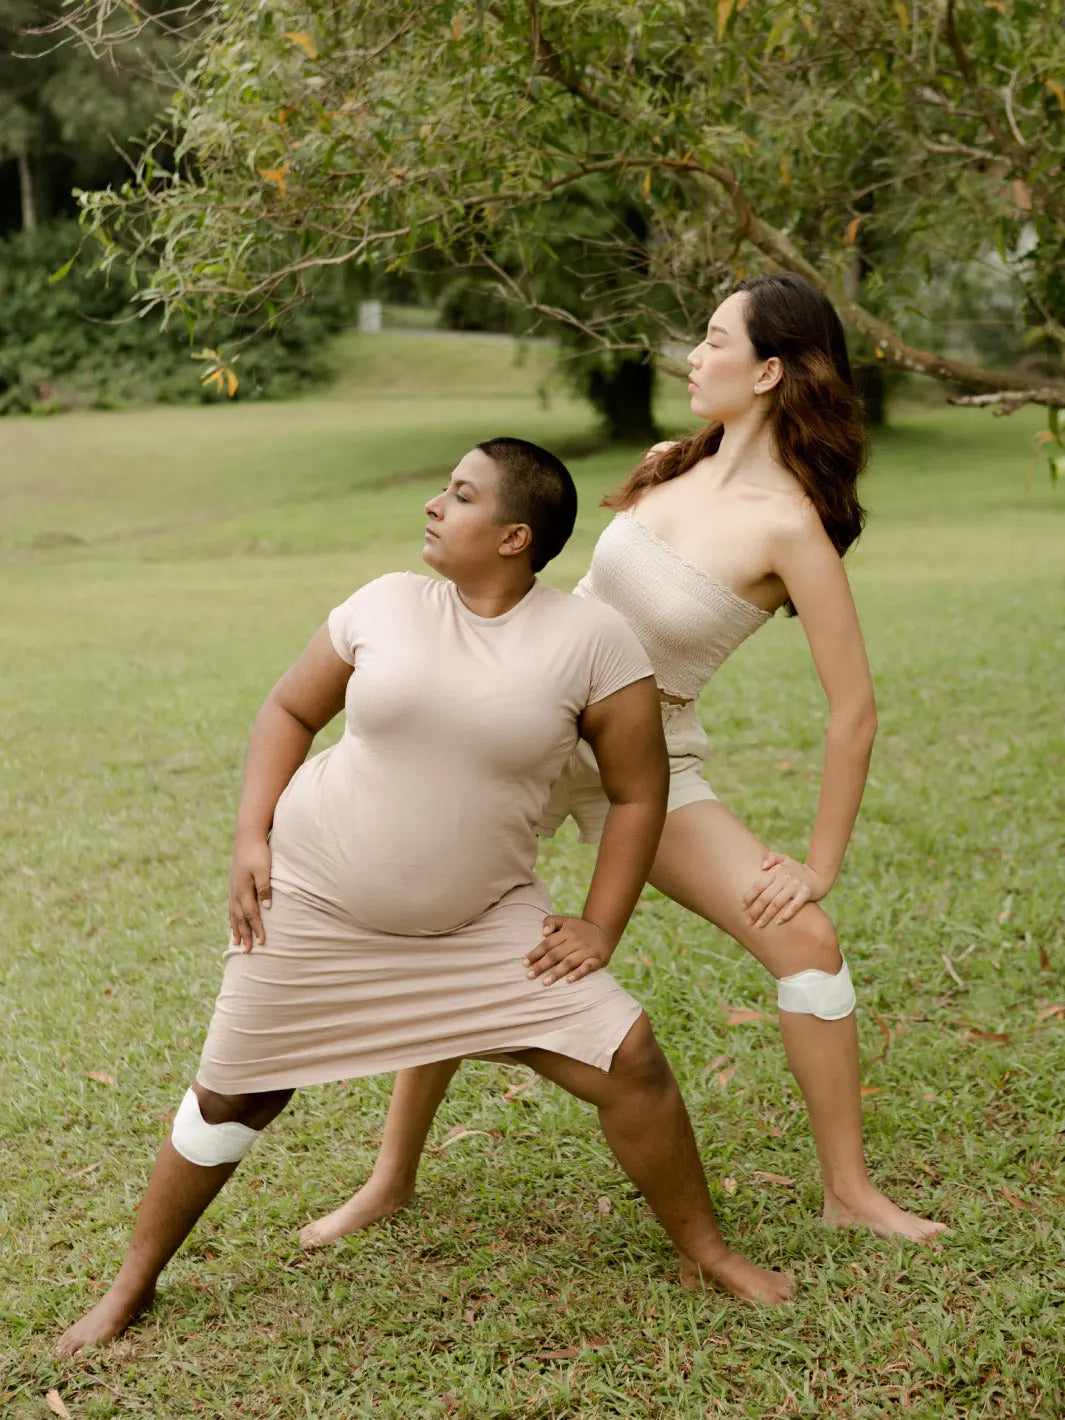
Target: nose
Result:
[[432, 507], [692, 357]]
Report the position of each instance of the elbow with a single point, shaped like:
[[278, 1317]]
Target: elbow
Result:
[[857, 727]]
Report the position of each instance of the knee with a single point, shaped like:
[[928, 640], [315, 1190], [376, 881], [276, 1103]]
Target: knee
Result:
[[211, 1129], [254, 1111], [813, 944], [639, 1061], [817, 982]]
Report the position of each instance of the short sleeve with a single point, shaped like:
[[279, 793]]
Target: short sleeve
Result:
[[618, 659], [349, 622]]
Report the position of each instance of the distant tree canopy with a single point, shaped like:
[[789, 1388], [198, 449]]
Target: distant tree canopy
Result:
[[65, 116]]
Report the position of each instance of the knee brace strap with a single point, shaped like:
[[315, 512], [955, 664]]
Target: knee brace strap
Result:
[[208, 1144], [816, 993]]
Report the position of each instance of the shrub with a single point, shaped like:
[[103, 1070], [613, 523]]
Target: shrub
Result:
[[78, 341]]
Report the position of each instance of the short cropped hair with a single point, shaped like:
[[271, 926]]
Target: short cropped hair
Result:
[[534, 488]]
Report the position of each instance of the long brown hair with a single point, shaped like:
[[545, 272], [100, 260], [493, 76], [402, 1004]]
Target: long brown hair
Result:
[[816, 414]]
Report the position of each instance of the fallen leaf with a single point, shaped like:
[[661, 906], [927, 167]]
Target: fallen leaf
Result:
[[54, 1402], [596, 1342], [89, 1168], [175, 917], [1012, 1197], [457, 1132], [724, 1076], [604, 1205], [102, 1077], [872, 1089], [885, 1031], [974, 1033], [567, 1353], [742, 1015], [772, 1177], [469, 1316], [1045, 1012], [775, 1133], [729, 1185], [1044, 958], [515, 1090], [304, 41], [716, 1064]]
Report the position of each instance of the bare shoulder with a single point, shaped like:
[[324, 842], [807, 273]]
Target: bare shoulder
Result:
[[798, 526]]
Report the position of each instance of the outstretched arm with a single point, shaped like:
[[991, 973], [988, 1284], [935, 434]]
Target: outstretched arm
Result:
[[625, 733], [302, 702], [811, 570]]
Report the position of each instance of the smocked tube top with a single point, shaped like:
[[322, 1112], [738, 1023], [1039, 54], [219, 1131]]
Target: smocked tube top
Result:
[[687, 621]]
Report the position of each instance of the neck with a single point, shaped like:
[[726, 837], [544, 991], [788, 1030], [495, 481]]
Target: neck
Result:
[[747, 448], [494, 593]]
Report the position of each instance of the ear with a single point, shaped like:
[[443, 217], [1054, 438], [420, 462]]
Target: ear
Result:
[[769, 376], [516, 540]]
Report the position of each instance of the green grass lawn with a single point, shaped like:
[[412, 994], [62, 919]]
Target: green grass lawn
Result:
[[158, 569]]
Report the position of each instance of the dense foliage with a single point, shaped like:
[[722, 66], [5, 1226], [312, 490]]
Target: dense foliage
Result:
[[880, 149], [78, 341]]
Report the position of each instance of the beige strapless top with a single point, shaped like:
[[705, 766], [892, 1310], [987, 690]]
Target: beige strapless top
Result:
[[686, 620]]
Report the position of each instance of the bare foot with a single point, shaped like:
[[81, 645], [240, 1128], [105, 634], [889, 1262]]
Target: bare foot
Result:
[[108, 1319], [738, 1276], [372, 1203], [872, 1210]]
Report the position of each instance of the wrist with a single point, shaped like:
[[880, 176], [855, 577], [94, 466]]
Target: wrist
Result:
[[826, 876], [611, 938]]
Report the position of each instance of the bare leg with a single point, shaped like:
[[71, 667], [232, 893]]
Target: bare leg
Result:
[[647, 1127], [416, 1097], [178, 1192], [706, 861]]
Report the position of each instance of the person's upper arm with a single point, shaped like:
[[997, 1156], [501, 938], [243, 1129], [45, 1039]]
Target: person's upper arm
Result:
[[812, 571], [624, 731], [312, 690]]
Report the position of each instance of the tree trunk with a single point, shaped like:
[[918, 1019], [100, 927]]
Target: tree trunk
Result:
[[623, 396], [872, 382], [25, 181]]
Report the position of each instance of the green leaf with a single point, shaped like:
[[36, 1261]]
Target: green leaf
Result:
[[63, 271]]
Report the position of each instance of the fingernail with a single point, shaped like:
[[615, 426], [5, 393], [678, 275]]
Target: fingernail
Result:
[[267, 904], [525, 961], [531, 975]]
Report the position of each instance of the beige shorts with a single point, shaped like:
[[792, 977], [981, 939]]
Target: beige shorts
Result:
[[578, 792]]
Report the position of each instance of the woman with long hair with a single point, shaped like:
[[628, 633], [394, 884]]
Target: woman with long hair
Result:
[[713, 534]]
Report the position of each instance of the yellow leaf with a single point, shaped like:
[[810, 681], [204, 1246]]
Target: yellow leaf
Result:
[[850, 236], [54, 1402], [282, 116], [304, 41], [785, 175], [456, 26], [231, 383], [1056, 89], [724, 11], [879, 353], [647, 183], [213, 377], [276, 175], [903, 15]]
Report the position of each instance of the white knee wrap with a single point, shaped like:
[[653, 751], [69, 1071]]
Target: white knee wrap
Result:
[[816, 993], [208, 1144]]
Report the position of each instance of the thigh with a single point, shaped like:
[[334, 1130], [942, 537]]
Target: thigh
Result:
[[706, 861], [637, 1061]]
